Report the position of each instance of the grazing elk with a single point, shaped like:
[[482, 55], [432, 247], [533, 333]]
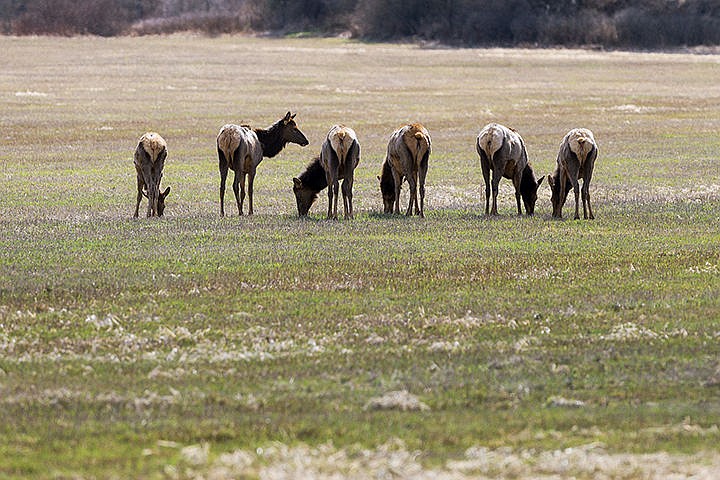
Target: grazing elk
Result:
[[575, 160], [241, 148], [149, 160], [407, 158], [339, 157], [308, 185], [502, 150]]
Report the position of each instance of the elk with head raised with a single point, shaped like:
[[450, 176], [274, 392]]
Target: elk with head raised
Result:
[[502, 151], [575, 160], [149, 160], [339, 157], [242, 148], [407, 158]]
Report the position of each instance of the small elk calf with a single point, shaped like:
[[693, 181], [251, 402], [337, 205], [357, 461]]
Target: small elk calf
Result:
[[149, 161], [575, 160]]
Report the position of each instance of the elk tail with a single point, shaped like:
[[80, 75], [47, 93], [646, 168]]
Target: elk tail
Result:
[[419, 147], [584, 147], [341, 145]]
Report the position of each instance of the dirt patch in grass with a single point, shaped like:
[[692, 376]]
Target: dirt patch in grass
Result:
[[394, 460]]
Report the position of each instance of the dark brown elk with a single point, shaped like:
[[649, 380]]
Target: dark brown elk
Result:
[[339, 157], [502, 151], [575, 160], [242, 148], [407, 158], [308, 185], [149, 160]]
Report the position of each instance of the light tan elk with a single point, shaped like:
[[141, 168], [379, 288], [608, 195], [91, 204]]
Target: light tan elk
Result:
[[149, 160], [242, 148], [502, 151], [339, 157], [407, 158], [575, 160]]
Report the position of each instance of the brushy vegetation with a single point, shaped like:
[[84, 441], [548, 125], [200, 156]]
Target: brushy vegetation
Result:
[[173, 347], [607, 23]]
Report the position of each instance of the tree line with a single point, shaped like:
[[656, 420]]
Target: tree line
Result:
[[604, 23]]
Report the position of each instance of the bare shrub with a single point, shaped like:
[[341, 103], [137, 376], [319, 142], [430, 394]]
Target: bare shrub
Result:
[[209, 23], [70, 17], [586, 28]]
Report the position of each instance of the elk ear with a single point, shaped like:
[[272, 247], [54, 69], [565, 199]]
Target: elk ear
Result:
[[551, 181], [297, 182], [165, 193], [287, 118], [539, 182], [293, 115]]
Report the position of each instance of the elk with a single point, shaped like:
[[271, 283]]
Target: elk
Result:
[[339, 157], [308, 185], [149, 160], [502, 150], [242, 148], [575, 160], [407, 157]]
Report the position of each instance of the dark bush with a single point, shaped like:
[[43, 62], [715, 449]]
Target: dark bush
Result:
[[610, 23], [588, 27], [70, 17]]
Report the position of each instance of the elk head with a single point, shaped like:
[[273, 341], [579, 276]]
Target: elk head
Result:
[[291, 133], [161, 201], [528, 189], [555, 200], [304, 197]]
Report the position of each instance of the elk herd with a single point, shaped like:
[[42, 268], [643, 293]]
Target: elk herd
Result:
[[502, 153]]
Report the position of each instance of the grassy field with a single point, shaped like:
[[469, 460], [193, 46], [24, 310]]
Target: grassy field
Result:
[[267, 347]]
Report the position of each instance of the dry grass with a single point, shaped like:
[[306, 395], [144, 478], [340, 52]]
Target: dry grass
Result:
[[394, 460]]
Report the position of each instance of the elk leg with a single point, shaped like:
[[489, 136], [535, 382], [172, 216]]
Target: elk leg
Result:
[[495, 185], [330, 199], [415, 197], [336, 197], [139, 196], [412, 184], [484, 162], [236, 191], [586, 190], [572, 173], [562, 178], [329, 179], [223, 166], [397, 179], [516, 184], [576, 191], [347, 197], [347, 187], [333, 188], [423, 174], [147, 176], [250, 187], [243, 176], [586, 200]]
